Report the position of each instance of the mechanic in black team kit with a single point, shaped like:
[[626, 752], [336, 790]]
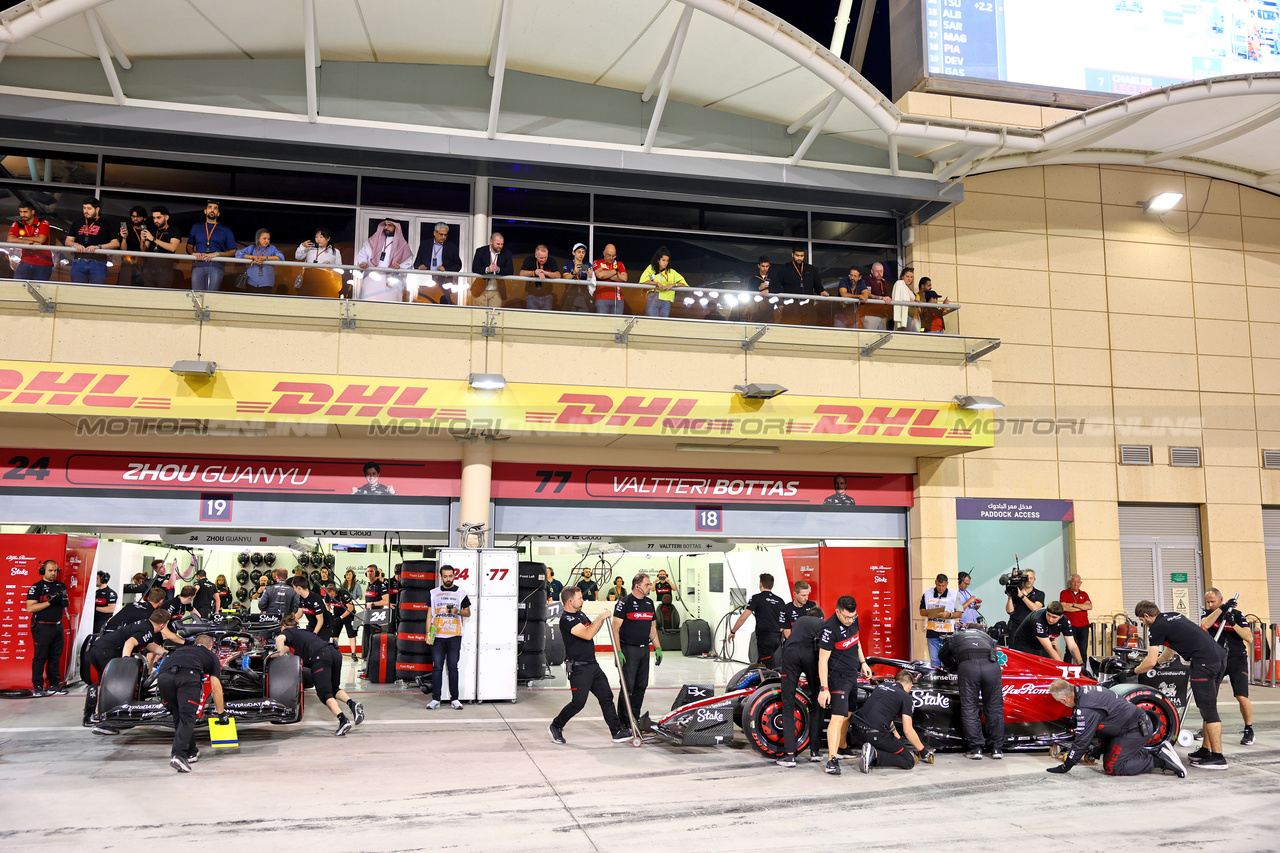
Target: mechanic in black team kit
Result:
[[325, 663], [377, 596], [840, 659], [800, 606], [208, 600], [767, 609], [1038, 634], [312, 606], [981, 685], [47, 602], [585, 675], [635, 626], [589, 588], [1170, 633], [872, 727], [1226, 624], [799, 656], [104, 602], [183, 604], [1121, 727], [189, 676], [136, 611], [148, 635], [342, 607]]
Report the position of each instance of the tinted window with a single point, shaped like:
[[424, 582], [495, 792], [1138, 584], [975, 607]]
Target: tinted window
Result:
[[851, 228], [416, 195], [692, 216], [724, 261], [314, 185], [522, 202], [167, 177], [523, 237], [834, 261], [48, 165]]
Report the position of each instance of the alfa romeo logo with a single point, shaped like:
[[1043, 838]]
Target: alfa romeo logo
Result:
[[1001, 658]]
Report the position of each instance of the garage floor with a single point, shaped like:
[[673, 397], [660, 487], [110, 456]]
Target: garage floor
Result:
[[488, 778]]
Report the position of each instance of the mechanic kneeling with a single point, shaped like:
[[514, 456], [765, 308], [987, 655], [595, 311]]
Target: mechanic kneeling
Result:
[[872, 727], [121, 643], [974, 653], [189, 675], [1121, 728], [325, 663]]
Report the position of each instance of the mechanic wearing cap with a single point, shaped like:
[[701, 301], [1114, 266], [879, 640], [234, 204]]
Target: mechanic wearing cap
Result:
[[840, 659], [122, 642], [1039, 632], [767, 609], [311, 604], [377, 596], [136, 611], [585, 675], [190, 675], [1122, 729], [799, 656], [940, 609], [325, 663], [208, 600], [279, 599], [1226, 624], [104, 602], [873, 730], [635, 625], [981, 689], [47, 602], [1172, 633], [800, 606]]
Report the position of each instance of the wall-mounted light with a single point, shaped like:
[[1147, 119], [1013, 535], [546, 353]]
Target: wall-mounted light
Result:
[[194, 368], [1161, 202], [487, 381], [759, 390], [977, 404]]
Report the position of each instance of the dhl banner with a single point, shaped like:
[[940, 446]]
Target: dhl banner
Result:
[[390, 406]]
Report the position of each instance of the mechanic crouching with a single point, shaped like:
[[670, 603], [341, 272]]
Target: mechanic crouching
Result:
[[1122, 730], [190, 674], [872, 727]]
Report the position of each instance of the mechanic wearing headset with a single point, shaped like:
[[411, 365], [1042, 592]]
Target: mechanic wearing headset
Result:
[[377, 596], [799, 655], [1121, 728], [121, 643], [104, 602], [1039, 632], [873, 727], [766, 607], [181, 685], [1170, 633], [343, 608], [47, 602], [840, 659], [325, 663], [137, 611], [1226, 624]]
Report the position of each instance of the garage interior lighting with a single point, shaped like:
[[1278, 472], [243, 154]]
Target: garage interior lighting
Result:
[[1161, 202], [194, 368], [759, 390], [487, 381], [728, 448], [977, 404]]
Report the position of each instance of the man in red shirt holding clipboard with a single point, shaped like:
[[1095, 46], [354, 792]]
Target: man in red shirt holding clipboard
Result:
[[1076, 606]]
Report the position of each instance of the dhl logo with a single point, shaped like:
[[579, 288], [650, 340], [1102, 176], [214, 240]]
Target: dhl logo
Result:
[[96, 389]]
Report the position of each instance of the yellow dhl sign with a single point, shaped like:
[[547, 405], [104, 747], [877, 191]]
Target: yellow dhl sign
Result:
[[385, 403]]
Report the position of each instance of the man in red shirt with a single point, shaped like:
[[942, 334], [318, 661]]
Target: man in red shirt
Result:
[[609, 268], [872, 315], [33, 231], [1076, 606]]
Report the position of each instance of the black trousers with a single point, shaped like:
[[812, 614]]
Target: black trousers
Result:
[[635, 674], [1124, 754], [587, 678], [326, 673], [182, 692], [891, 750], [980, 693], [46, 661], [445, 652], [793, 664], [766, 646], [1081, 635]]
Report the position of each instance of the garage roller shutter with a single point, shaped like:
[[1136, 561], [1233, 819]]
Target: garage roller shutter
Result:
[[1137, 575], [1271, 536], [1159, 521]]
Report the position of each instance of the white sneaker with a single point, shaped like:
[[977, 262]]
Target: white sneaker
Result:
[[457, 706], [433, 704]]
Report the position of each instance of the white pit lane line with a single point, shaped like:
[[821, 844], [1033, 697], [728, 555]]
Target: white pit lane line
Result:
[[321, 724]]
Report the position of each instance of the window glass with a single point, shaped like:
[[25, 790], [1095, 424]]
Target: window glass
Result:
[[195, 178], [702, 259], [38, 165], [523, 237], [313, 185], [541, 204], [415, 195], [852, 228], [693, 216], [834, 261]]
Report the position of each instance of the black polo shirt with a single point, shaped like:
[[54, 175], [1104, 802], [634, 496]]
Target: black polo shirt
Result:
[[806, 632], [102, 597], [313, 607], [130, 614], [1186, 638], [1036, 627], [576, 649], [637, 616], [1229, 640], [842, 641], [884, 707], [43, 590], [790, 613], [304, 644], [113, 642], [766, 607], [1021, 611]]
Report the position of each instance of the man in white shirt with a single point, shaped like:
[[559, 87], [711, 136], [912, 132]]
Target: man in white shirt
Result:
[[386, 249], [449, 606]]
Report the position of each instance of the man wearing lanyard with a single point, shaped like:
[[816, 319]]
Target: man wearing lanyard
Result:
[[540, 266], [164, 239], [33, 231], [609, 268], [436, 257], [91, 235], [799, 277], [208, 242], [491, 259], [969, 603]]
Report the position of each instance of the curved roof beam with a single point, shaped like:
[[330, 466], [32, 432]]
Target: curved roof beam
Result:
[[27, 19]]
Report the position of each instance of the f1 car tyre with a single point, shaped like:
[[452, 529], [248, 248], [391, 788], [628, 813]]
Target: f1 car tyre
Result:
[[417, 574], [530, 666], [285, 683], [415, 601], [533, 605], [554, 650], [269, 558], [381, 666], [84, 657], [695, 638], [530, 572], [531, 635], [763, 722], [405, 646], [242, 594], [242, 577], [119, 684], [404, 659], [1161, 710]]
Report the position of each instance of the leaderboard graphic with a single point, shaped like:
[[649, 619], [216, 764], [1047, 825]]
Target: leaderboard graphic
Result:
[[1119, 47]]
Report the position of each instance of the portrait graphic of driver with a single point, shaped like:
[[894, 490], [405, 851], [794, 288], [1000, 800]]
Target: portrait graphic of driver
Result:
[[372, 487], [839, 498]]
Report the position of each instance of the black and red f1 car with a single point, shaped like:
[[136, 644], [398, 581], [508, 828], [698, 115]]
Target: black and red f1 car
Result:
[[1033, 719], [258, 685]]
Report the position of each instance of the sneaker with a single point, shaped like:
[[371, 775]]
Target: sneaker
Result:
[[1247, 736], [100, 729], [193, 757], [997, 754], [433, 704], [1198, 755], [926, 757], [622, 735], [786, 761], [867, 759], [457, 706], [56, 691], [1198, 735], [357, 712], [180, 764], [1167, 757], [815, 757], [846, 752], [38, 693], [975, 754], [344, 725], [1215, 761], [833, 767], [557, 734], [364, 673]]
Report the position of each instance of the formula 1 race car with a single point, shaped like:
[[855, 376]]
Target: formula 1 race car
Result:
[[1033, 719], [258, 685]]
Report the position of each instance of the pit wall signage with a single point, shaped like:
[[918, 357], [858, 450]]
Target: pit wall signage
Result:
[[397, 406]]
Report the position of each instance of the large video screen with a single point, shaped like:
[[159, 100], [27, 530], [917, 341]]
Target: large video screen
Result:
[[1119, 47]]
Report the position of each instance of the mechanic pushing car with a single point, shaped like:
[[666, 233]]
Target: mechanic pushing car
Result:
[[1226, 624], [840, 659], [767, 609], [585, 675], [873, 727], [981, 691], [1039, 632], [136, 611], [325, 663], [188, 672], [635, 626], [1122, 729], [122, 642], [47, 602], [1172, 633], [799, 656]]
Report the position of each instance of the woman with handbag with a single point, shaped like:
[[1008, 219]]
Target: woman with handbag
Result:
[[259, 278]]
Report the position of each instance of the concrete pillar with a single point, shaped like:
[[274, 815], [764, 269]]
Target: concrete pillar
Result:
[[477, 477], [479, 230]]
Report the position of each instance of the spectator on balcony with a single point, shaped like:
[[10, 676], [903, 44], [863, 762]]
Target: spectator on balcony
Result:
[[440, 256], [576, 298], [799, 277], [491, 259], [208, 242], [318, 251], [657, 302], [903, 291], [386, 249], [846, 314], [540, 266], [932, 319], [761, 281], [161, 238], [609, 268], [91, 235], [260, 277], [132, 269], [31, 230], [872, 314]]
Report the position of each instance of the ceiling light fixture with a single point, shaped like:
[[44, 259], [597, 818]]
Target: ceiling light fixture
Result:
[[1161, 202], [487, 381], [194, 368], [759, 390], [728, 448]]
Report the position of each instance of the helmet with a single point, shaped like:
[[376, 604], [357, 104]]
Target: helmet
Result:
[[242, 594], [242, 577], [329, 561], [243, 558], [255, 575], [256, 559], [315, 578], [269, 558], [317, 560]]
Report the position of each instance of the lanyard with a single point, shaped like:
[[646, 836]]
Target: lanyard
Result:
[[799, 269], [86, 228], [208, 236]]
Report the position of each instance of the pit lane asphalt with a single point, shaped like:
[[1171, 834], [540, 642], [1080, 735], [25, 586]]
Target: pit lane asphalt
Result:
[[489, 778]]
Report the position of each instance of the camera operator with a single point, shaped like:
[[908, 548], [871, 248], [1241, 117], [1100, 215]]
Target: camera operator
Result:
[[1226, 624], [1121, 728], [1021, 602], [1039, 633], [1172, 633]]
